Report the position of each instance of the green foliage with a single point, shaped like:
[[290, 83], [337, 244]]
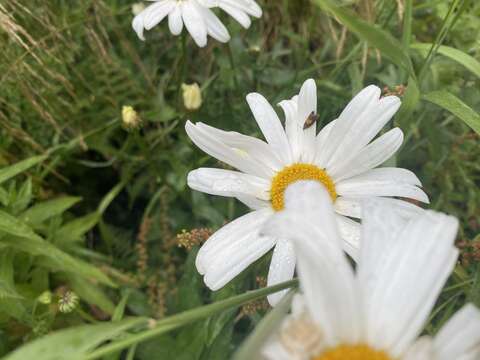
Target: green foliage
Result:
[[88, 207]]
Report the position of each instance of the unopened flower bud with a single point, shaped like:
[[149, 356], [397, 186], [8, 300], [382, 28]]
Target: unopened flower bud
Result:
[[130, 118], [137, 8], [192, 96], [45, 298]]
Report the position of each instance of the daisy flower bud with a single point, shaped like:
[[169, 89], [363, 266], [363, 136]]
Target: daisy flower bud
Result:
[[130, 118], [192, 96], [45, 298], [137, 8]]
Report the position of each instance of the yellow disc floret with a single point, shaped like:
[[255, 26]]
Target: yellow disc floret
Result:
[[352, 352], [296, 172]]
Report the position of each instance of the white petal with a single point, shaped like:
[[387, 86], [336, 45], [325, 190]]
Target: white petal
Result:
[[207, 140], [325, 275], [248, 147], [281, 269], [307, 103], [215, 27], [248, 6], [228, 183], [320, 144], [253, 203], [398, 294], [227, 236], [292, 127], [352, 206], [270, 125], [459, 338], [383, 182], [194, 22], [350, 234], [369, 157], [137, 25], [155, 13], [422, 349], [231, 260], [274, 350], [236, 13], [356, 108], [175, 22], [366, 126]]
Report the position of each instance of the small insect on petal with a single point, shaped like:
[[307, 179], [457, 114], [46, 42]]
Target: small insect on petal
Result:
[[311, 119]]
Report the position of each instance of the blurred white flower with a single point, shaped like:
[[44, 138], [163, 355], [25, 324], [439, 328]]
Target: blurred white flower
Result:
[[342, 157], [379, 310], [192, 96], [199, 20]]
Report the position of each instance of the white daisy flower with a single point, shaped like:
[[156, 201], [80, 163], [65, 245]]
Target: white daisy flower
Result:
[[379, 311], [342, 157], [199, 20]]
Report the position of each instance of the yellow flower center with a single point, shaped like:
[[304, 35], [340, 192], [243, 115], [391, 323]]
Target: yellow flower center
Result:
[[352, 352], [296, 172]]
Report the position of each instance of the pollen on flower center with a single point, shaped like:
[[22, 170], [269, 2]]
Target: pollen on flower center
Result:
[[352, 352], [296, 172]]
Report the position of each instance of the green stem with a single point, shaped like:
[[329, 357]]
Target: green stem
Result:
[[446, 26], [187, 317], [232, 64]]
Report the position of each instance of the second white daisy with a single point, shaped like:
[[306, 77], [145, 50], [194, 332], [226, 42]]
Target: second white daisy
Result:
[[342, 157], [379, 310]]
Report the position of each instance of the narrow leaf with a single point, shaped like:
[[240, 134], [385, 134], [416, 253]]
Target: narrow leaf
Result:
[[15, 169], [459, 56], [457, 107], [74, 343], [48, 209], [20, 236], [374, 35]]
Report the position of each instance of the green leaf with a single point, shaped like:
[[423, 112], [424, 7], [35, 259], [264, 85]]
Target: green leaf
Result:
[[75, 229], [22, 237], [457, 55], [173, 322], [7, 286], [48, 209], [15, 169], [457, 107], [377, 37], [91, 293], [74, 343], [250, 348]]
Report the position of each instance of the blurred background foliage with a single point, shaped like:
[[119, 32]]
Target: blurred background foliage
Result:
[[97, 221]]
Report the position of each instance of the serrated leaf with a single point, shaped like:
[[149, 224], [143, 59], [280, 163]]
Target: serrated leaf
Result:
[[15, 169], [459, 56], [74, 343], [374, 35], [457, 107], [44, 210]]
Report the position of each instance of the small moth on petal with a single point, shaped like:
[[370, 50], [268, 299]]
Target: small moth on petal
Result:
[[311, 119]]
